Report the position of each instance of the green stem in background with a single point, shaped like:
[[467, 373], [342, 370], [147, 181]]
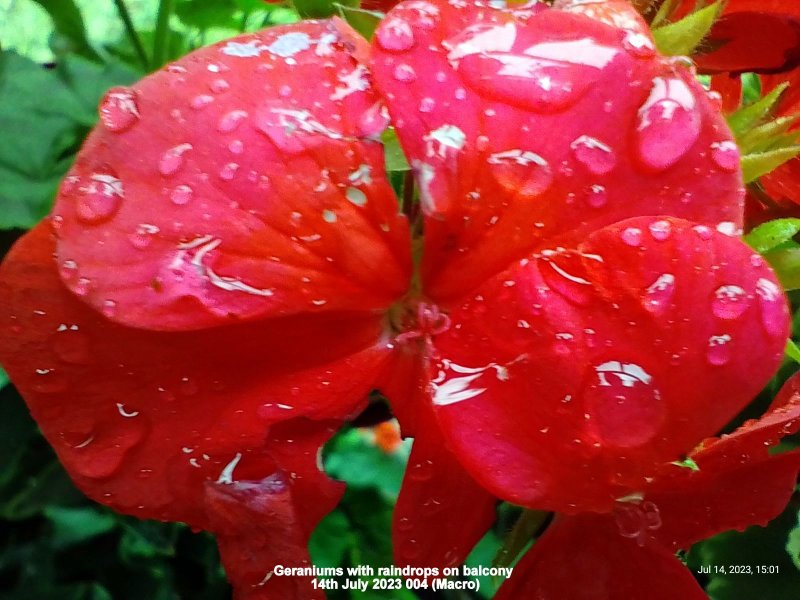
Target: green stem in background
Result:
[[528, 524], [133, 36], [162, 34]]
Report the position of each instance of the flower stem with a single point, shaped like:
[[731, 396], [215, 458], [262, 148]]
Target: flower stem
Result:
[[529, 523], [131, 32], [162, 34]]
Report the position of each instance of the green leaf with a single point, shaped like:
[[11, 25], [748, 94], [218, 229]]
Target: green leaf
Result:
[[69, 23], [792, 352], [772, 234], [682, 37], [793, 543], [745, 118], [331, 540], [75, 525], [144, 540], [769, 136], [756, 165], [354, 459], [320, 9], [756, 546], [363, 21], [686, 463], [30, 493], [204, 14], [482, 554], [3, 378], [35, 109], [394, 157], [786, 264]]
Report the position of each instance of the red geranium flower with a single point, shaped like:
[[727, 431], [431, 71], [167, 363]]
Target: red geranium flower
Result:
[[225, 276], [752, 35]]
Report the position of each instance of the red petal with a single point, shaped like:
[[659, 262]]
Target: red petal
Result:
[[437, 493], [567, 380], [144, 420], [529, 127], [739, 484], [587, 558], [244, 180], [267, 522], [783, 184], [729, 87], [754, 35]]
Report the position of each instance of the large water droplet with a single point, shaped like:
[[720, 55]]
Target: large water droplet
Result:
[[660, 230], [48, 381], [596, 156], [395, 35], [521, 172], [718, 352], [624, 405], [669, 123], [549, 76], [659, 295], [100, 198], [172, 160], [729, 302], [774, 313], [634, 520], [726, 155], [119, 110]]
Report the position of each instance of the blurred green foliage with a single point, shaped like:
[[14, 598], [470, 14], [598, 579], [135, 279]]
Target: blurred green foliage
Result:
[[57, 59]]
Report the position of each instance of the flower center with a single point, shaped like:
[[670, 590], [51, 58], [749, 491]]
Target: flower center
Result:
[[413, 318]]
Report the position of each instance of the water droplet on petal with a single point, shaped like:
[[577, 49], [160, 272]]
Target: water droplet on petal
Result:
[[659, 295], [660, 230], [395, 35], [427, 105], [596, 156], [521, 172], [109, 308], [172, 160], [718, 352], [49, 381], [669, 123], [228, 171], [639, 45], [100, 199], [703, 232], [624, 405], [730, 302], [596, 196], [219, 86], [632, 236], [774, 314], [200, 102], [68, 270], [231, 121], [405, 73], [181, 195], [726, 155], [119, 110], [143, 235]]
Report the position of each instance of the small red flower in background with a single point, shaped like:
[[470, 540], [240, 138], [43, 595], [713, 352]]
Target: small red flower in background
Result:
[[229, 260], [760, 36]]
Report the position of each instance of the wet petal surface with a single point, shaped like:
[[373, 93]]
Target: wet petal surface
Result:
[[245, 180]]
